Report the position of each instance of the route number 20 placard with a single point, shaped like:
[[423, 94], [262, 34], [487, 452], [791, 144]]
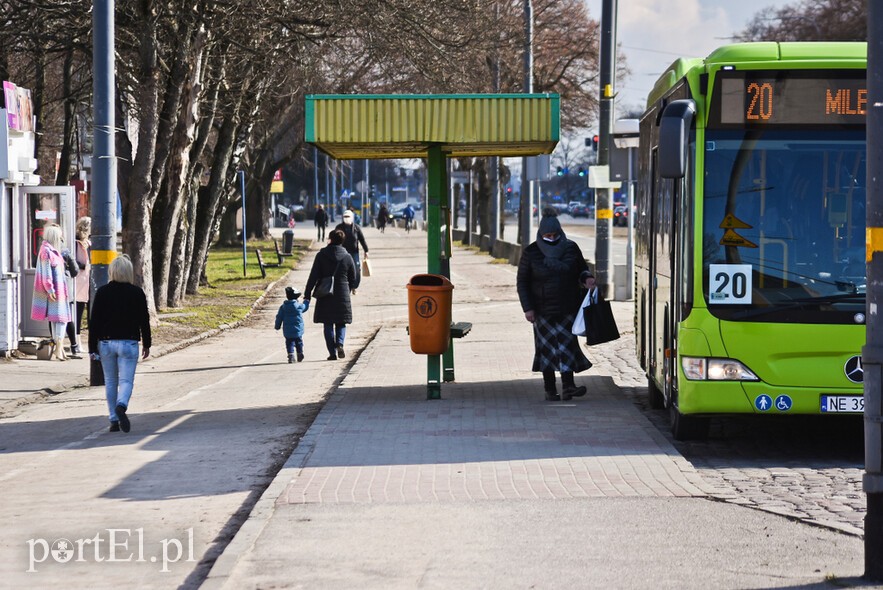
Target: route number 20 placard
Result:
[[729, 284]]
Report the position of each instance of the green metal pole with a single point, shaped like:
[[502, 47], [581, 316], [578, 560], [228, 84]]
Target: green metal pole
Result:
[[448, 356], [435, 234]]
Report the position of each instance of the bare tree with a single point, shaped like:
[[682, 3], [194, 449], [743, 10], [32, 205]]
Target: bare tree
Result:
[[810, 20]]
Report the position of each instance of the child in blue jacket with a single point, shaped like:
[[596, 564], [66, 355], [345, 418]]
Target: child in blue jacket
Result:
[[291, 319]]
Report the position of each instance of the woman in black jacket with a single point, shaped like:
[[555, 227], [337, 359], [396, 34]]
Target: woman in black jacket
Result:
[[334, 311], [119, 319], [551, 275]]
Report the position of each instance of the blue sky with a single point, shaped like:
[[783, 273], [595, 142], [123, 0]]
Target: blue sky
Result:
[[653, 33]]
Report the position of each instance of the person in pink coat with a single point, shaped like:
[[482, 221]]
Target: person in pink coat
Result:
[[51, 300]]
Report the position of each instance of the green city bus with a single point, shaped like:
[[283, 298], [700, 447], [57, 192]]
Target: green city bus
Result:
[[750, 233]]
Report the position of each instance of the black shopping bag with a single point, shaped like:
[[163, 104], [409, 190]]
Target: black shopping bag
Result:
[[600, 324]]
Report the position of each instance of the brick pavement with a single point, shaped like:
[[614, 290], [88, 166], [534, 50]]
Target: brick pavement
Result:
[[388, 489], [492, 436], [807, 482]]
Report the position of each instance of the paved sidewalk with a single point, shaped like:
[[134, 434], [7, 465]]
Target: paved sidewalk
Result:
[[493, 487], [25, 379]]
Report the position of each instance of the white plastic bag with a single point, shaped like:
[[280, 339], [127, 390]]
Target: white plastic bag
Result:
[[579, 324]]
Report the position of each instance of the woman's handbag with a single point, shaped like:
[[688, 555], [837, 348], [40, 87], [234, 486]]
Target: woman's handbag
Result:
[[325, 286], [600, 323]]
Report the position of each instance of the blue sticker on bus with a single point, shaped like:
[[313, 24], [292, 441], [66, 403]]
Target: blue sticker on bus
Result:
[[783, 403], [763, 402]]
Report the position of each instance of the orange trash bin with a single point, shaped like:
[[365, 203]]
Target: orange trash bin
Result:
[[429, 313]]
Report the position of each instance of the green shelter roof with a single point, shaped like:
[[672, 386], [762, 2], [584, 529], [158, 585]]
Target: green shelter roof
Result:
[[353, 126]]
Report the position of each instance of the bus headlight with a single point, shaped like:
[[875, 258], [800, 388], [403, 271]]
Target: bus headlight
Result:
[[714, 369]]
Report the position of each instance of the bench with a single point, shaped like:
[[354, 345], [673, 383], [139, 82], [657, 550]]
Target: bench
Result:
[[279, 253], [460, 329], [263, 265]]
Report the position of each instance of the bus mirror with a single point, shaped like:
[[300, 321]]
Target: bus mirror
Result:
[[674, 130]]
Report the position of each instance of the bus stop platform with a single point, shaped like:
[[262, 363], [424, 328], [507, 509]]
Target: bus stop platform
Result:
[[493, 487]]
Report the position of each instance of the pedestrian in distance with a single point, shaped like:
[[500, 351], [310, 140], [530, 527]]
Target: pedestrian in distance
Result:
[[51, 300], [290, 319], [119, 319], [320, 220], [408, 215], [334, 311], [82, 278], [382, 217], [552, 274], [353, 236]]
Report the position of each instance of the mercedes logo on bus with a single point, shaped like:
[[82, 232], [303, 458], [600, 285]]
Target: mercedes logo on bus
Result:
[[853, 369]]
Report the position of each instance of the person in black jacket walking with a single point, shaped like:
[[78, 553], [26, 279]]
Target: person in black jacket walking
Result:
[[320, 219], [334, 311], [352, 237], [551, 275], [119, 319]]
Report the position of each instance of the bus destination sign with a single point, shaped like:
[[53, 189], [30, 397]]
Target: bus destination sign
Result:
[[759, 98]]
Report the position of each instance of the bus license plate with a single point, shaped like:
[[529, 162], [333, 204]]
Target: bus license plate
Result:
[[848, 404]]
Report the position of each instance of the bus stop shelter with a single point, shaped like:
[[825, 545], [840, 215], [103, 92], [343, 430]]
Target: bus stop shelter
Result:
[[433, 127]]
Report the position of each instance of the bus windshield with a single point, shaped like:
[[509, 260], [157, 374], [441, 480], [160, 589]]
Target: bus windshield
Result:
[[784, 224]]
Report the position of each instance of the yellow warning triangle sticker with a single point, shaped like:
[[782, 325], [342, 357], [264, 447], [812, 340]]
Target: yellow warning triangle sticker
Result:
[[732, 222], [731, 238]]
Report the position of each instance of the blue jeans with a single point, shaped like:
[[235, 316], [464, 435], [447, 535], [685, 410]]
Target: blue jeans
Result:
[[294, 343], [118, 361], [334, 336]]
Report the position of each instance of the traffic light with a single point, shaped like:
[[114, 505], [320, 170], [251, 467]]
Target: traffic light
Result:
[[595, 143], [561, 171], [582, 172]]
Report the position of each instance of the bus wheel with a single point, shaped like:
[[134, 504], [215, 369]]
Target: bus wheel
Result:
[[655, 398], [687, 427]]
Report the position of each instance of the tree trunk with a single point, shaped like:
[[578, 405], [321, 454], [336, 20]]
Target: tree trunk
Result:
[[140, 193], [483, 195], [38, 97], [165, 222], [184, 242], [228, 234], [68, 139], [209, 201]]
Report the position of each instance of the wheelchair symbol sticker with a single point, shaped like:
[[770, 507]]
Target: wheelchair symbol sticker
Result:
[[763, 402], [783, 403]]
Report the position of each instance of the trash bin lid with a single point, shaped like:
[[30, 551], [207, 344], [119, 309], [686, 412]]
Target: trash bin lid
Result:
[[427, 280]]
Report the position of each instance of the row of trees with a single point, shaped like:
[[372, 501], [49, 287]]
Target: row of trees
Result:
[[209, 87]]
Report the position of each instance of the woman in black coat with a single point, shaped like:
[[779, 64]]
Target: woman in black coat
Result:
[[551, 275], [334, 311]]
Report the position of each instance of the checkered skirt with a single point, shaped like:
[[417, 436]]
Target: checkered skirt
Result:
[[557, 349]]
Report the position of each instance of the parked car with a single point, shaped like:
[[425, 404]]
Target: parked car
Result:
[[621, 216], [559, 207], [579, 211]]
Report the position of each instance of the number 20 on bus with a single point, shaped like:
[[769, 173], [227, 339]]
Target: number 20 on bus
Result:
[[729, 283]]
